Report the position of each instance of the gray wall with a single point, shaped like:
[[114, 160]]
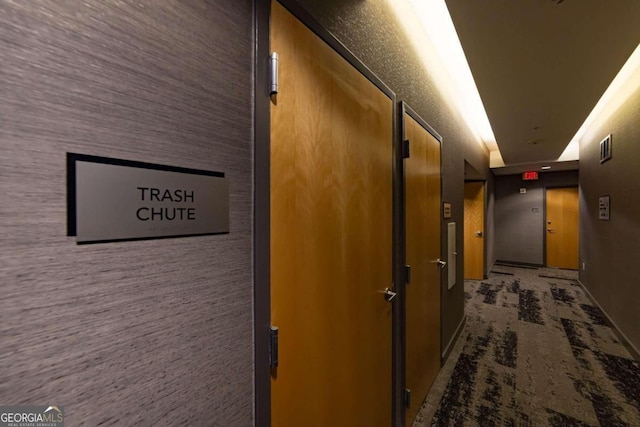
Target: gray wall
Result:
[[369, 29], [490, 229], [611, 249], [519, 218], [158, 332]]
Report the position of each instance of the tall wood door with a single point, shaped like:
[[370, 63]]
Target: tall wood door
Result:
[[474, 230], [422, 202], [331, 236], [562, 227]]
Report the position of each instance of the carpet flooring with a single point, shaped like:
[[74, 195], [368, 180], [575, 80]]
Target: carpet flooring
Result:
[[534, 352]]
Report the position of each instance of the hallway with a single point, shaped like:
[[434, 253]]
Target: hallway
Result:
[[319, 151], [534, 351]]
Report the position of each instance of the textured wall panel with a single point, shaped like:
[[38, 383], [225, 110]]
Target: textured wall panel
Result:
[[611, 249], [150, 332]]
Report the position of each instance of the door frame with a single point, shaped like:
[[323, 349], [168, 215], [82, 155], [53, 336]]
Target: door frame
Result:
[[402, 333], [262, 207], [485, 273]]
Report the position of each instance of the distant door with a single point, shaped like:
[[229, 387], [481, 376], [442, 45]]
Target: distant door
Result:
[[422, 201], [331, 236], [474, 230], [562, 227]]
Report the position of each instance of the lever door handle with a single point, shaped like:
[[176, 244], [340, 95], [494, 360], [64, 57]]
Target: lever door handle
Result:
[[551, 230], [440, 263], [389, 295]]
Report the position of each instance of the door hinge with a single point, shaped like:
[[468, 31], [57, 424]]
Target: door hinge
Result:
[[407, 397], [406, 152], [273, 77], [407, 274], [273, 346]]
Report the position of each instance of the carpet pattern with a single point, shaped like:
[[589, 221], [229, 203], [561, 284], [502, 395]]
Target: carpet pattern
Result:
[[534, 352]]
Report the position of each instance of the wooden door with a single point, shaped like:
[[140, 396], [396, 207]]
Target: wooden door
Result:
[[474, 230], [562, 227], [331, 236], [422, 202]]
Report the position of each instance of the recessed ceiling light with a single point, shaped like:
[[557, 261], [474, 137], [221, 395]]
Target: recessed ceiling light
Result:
[[544, 168]]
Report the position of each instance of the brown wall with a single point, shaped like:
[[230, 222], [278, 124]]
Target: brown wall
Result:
[[369, 29], [156, 331], [610, 250]]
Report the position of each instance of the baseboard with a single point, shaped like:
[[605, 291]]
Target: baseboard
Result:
[[519, 264], [453, 340], [491, 266], [621, 336]]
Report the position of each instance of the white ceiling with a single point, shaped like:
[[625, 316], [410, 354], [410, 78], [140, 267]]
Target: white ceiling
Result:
[[541, 66]]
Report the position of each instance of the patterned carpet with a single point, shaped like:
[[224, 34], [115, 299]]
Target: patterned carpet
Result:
[[534, 352]]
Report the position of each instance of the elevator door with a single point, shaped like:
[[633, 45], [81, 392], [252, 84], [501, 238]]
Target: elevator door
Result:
[[331, 236], [422, 201], [562, 227], [474, 230]]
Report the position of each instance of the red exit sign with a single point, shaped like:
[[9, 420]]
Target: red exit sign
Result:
[[529, 176]]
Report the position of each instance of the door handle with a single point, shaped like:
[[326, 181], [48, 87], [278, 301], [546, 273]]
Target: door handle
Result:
[[551, 230], [389, 295], [440, 263], [479, 233]]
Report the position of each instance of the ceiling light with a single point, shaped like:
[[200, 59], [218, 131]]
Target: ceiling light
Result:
[[429, 27], [544, 168], [621, 88]]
